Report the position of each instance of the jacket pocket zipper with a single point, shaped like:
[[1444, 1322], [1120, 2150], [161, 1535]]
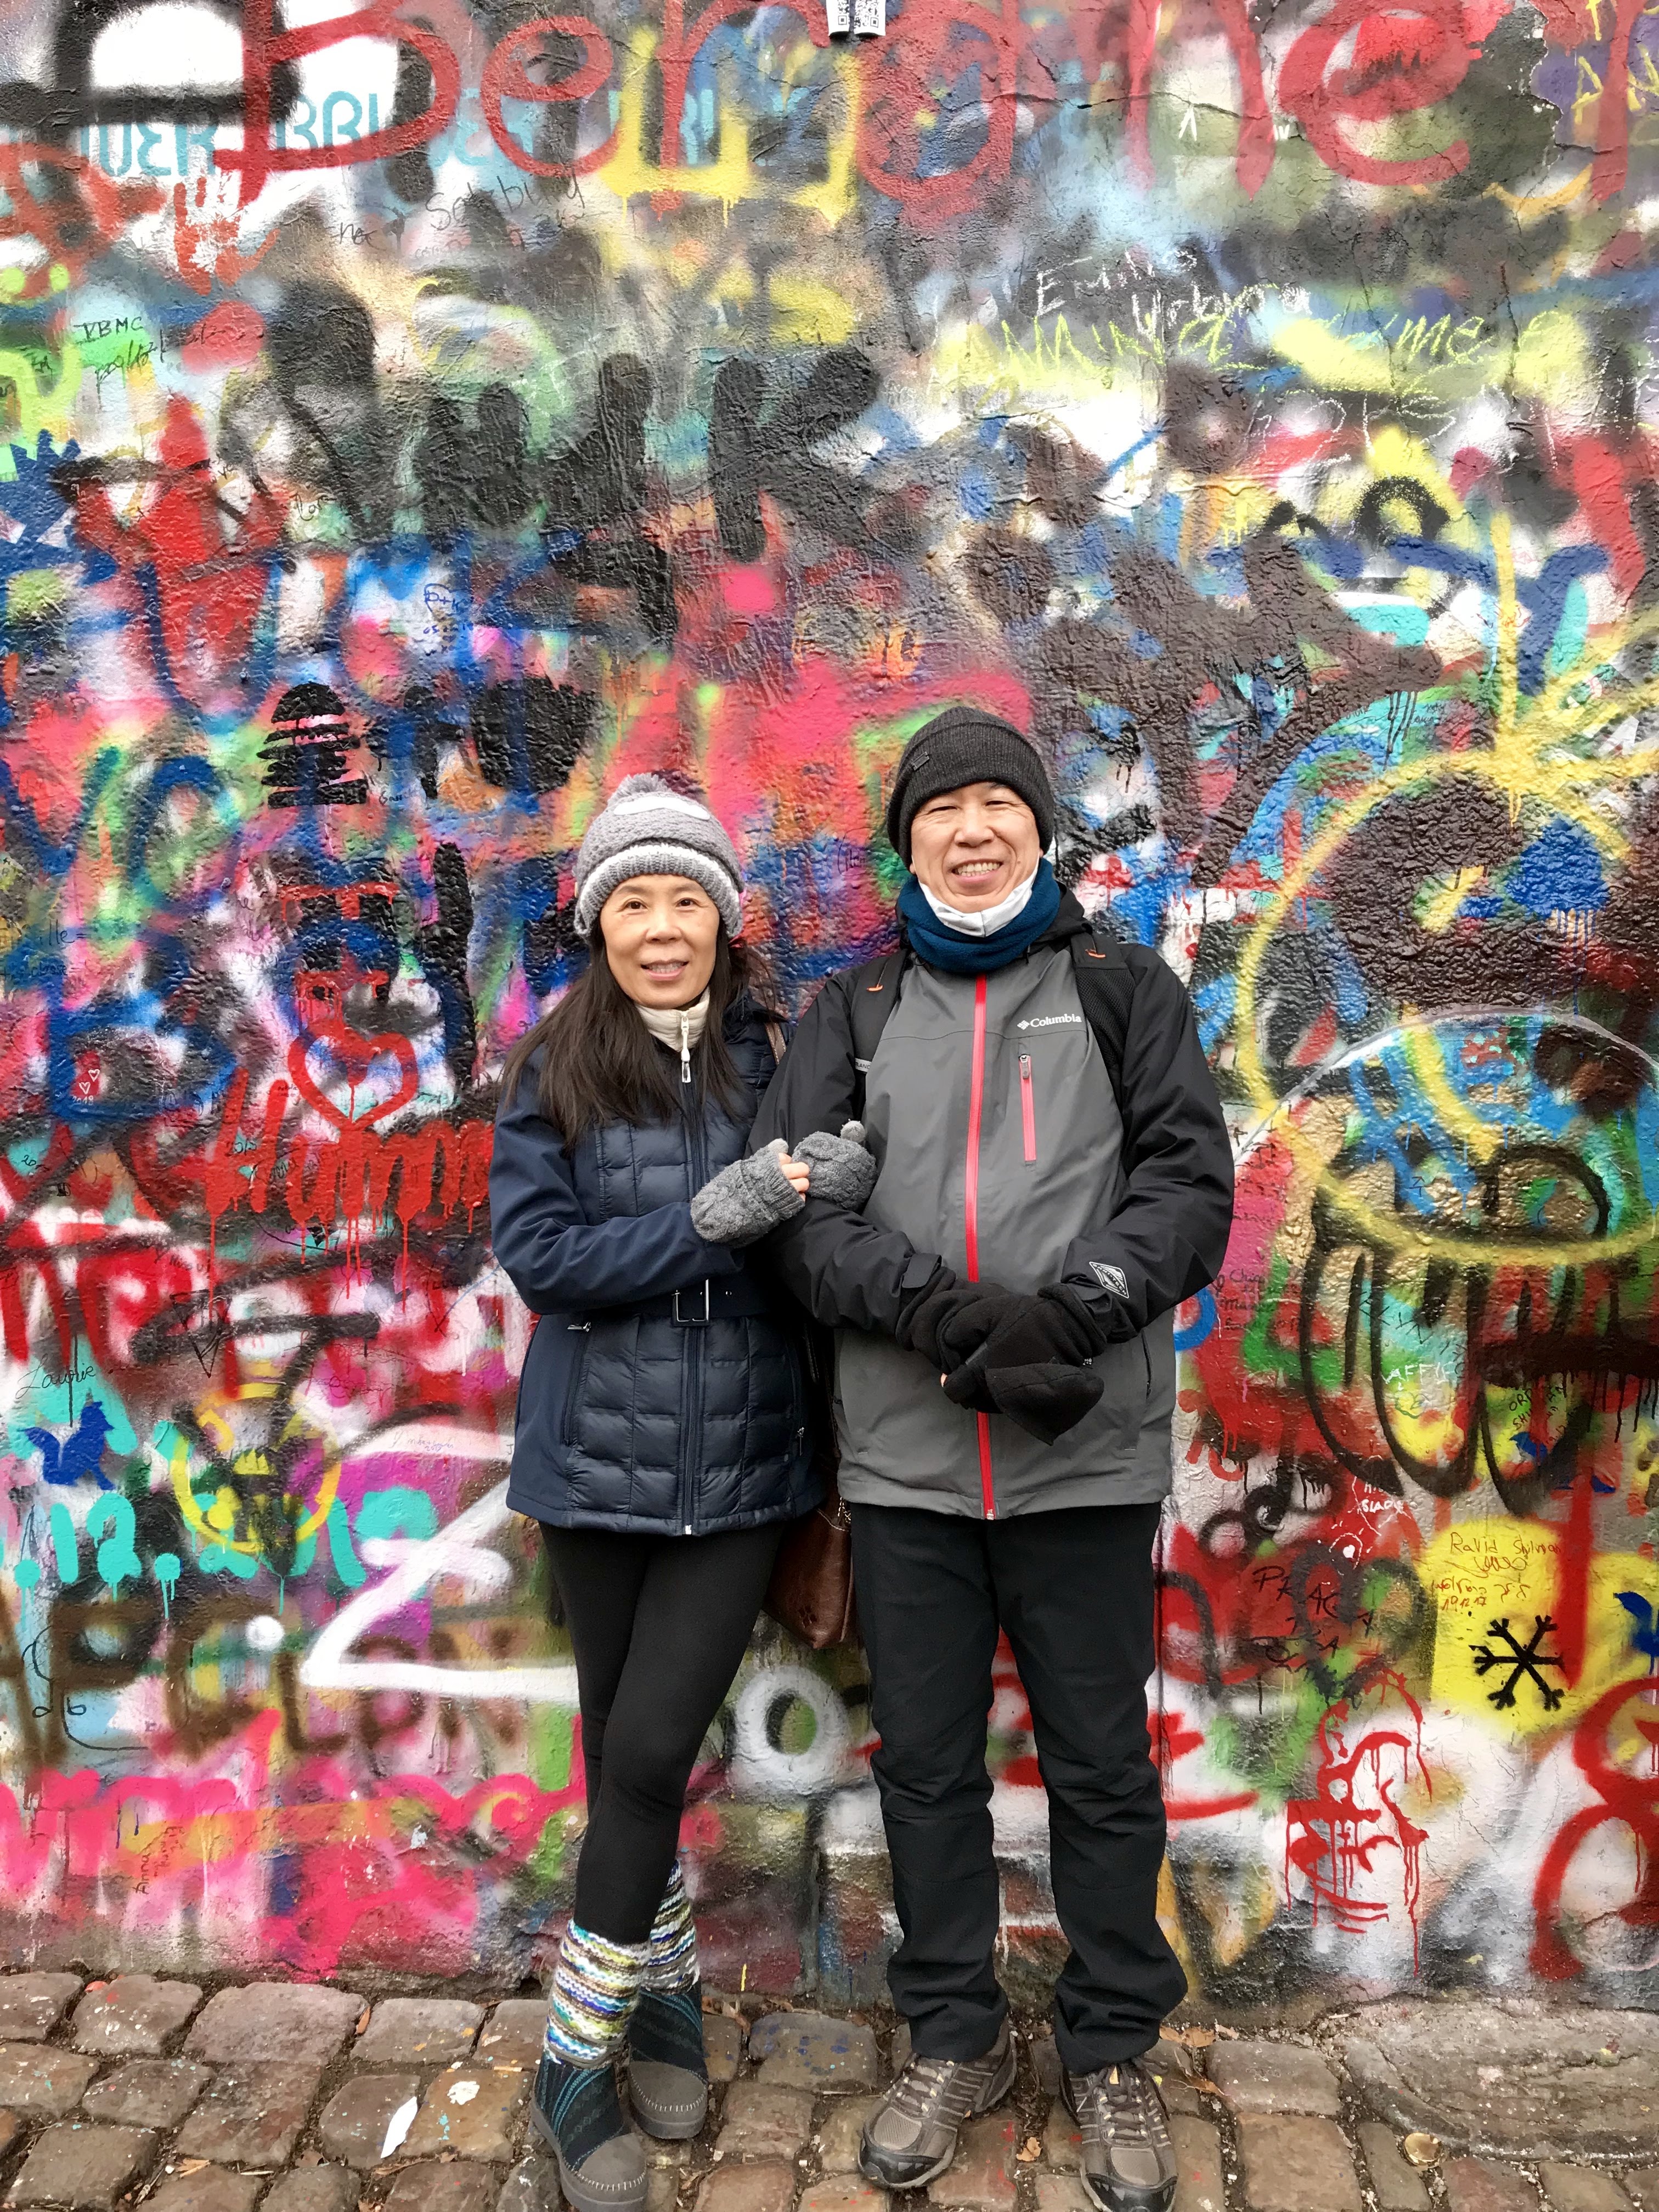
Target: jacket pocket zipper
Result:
[[573, 1389], [1027, 1107]]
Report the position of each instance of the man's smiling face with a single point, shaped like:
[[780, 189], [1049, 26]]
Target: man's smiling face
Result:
[[973, 845]]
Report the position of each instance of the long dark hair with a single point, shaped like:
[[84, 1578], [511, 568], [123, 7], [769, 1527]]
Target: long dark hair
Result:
[[600, 1063]]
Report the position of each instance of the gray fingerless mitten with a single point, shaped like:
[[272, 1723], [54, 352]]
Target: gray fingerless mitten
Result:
[[743, 1201], [843, 1171]]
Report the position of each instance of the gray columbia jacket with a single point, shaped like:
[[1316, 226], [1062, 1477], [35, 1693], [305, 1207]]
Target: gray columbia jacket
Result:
[[1004, 1155]]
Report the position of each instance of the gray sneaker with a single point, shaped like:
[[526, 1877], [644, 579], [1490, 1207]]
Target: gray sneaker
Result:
[[912, 2137], [1128, 2159]]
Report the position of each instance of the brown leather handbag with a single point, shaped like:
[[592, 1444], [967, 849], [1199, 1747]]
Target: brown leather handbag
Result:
[[811, 1592]]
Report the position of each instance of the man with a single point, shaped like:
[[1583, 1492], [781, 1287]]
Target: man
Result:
[[1054, 1177]]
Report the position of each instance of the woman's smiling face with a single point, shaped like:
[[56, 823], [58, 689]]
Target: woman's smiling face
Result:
[[660, 933]]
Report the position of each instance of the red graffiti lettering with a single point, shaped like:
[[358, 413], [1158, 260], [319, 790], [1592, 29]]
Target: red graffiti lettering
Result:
[[1395, 71], [265, 50], [507, 76]]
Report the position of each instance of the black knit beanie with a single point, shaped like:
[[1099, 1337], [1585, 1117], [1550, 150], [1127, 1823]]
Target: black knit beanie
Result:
[[965, 744]]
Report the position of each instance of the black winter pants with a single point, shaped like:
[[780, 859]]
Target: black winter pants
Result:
[[658, 1626], [1073, 1589]]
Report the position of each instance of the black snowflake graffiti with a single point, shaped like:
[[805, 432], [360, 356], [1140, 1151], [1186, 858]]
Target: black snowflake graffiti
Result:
[[1521, 1659]]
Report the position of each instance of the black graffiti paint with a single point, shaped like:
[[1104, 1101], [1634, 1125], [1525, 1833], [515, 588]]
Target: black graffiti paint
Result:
[[441, 946], [748, 455]]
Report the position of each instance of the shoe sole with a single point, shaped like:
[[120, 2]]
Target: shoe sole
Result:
[[998, 2091], [1137, 2199], [664, 2126], [584, 2196]]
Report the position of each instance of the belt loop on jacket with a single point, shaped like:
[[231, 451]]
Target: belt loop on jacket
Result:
[[693, 1320]]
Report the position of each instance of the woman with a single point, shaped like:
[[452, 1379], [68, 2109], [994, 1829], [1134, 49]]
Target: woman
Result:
[[662, 1436]]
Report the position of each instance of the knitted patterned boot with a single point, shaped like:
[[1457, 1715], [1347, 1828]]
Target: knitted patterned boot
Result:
[[667, 2071], [576, 2111]]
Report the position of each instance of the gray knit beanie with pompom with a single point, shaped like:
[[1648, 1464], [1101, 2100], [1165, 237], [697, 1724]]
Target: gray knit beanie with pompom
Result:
[[646, 828]]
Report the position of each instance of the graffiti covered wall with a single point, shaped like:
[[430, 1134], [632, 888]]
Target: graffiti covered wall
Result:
[[418, 419]]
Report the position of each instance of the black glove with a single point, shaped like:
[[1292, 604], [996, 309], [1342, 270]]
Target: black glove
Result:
[[1044, 1400], [949, 1321], [1055, 1324]]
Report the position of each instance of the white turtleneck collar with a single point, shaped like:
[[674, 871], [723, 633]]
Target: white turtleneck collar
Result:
[[679, 1027], [990, 918]]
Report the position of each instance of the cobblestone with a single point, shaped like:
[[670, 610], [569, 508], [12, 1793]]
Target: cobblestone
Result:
[[148, 2092], [431, 2187], [352, 2126], [236, 2104], [1543, 2086], [1201, 2185], [477, 2111], [1475, 2184], [723, 2045], [1581, 2189], [1398, 2185], [843, 2195], [214, 2189], [297, 2023], [813, 2050], [85, 2168], [531, 2186], [42, 2082], [313, 2188], [1297, 2165], [1062, 2192], [252, 2114], [419, 2032], [1257, 2076], [132, 2016], [761, 2120], [512, 2034], [765, 2186], [838, 2138], [981, 2176], [1180, 2094], [31, 2005]]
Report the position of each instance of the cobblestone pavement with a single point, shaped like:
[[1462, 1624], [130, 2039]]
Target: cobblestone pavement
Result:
[[299, 2098]]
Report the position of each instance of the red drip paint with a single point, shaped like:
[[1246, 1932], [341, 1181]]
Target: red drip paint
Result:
[[1343, 1835]]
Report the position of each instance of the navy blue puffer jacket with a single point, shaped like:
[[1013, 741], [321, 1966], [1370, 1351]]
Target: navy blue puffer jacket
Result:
[[630, 1418]]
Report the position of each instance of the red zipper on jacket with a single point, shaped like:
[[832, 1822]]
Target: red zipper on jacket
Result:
[[970, 1200], [1028, 1107]]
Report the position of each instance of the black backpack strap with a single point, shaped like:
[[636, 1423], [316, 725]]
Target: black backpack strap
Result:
[[1106, 985], [872, 994]]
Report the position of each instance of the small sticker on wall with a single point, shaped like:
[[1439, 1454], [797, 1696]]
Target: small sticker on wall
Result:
[[865, 18], [1110, 1278]]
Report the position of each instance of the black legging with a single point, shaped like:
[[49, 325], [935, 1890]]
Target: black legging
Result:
[[658, 1626]]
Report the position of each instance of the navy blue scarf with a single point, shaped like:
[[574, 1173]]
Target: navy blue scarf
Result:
[[930, 940]]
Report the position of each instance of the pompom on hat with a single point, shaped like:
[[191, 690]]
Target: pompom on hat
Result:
[[646, 828]]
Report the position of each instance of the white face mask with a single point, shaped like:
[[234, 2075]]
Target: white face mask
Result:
[[990, 918], [679, 1027]]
